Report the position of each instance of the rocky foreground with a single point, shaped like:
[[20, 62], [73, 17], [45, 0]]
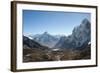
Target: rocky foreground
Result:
[[33, 55]]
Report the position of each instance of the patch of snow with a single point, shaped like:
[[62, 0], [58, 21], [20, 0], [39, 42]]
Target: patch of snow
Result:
[[55, 49]]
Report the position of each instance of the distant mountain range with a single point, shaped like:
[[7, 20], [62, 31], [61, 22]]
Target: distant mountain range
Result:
[[79, 38], [45, 39]]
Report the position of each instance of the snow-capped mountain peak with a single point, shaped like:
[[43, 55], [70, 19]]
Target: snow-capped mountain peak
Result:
[[46, 39], [80, 36]]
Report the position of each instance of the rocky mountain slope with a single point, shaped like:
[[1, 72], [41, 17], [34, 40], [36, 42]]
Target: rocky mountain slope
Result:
[[80, 37]]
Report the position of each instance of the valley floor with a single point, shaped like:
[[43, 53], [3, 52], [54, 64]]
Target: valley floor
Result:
[[31, 55]]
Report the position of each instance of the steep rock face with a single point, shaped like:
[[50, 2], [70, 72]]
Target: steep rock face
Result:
[[80, 37], [46, 39]]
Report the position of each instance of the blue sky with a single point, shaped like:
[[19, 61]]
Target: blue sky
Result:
[[55, 23]]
